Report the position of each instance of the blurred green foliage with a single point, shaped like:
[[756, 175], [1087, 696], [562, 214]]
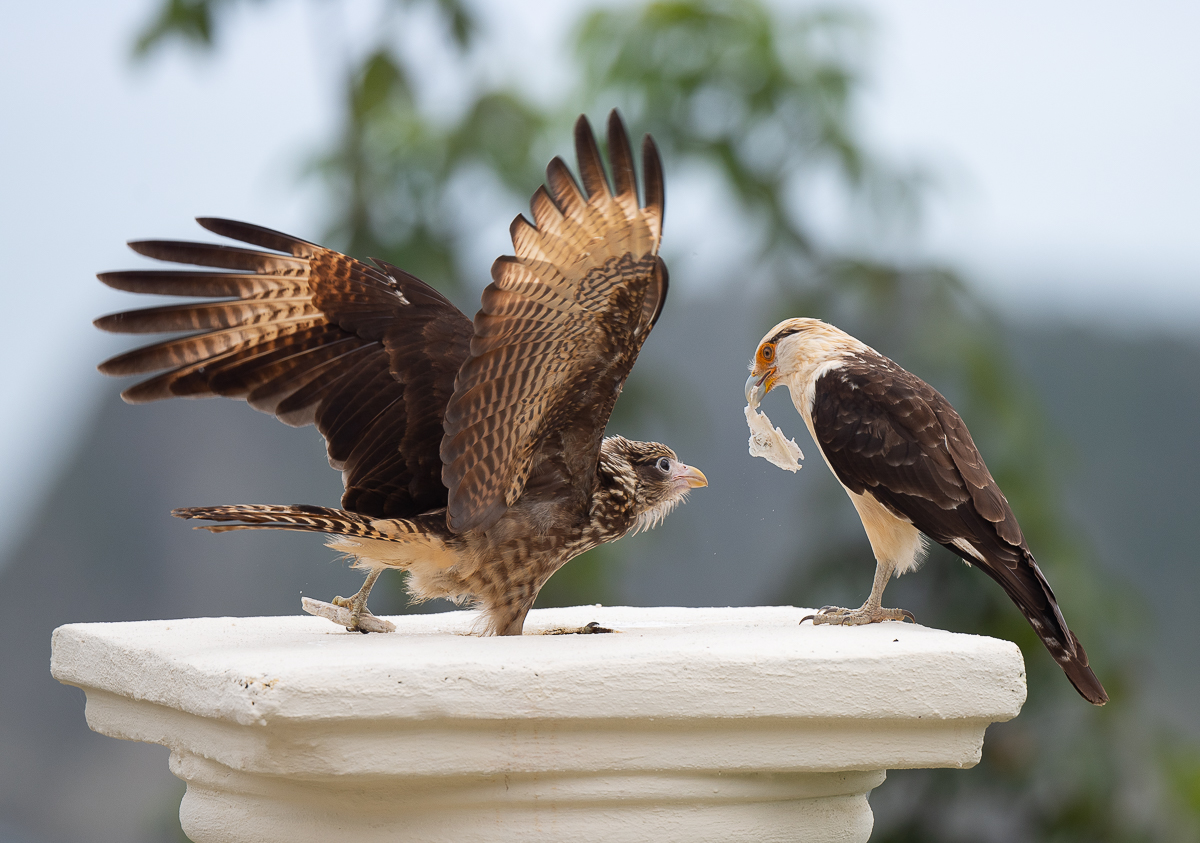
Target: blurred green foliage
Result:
[[764, 102]]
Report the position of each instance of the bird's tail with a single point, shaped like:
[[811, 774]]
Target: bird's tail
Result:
[[1028, 588], [422, 545], [1081, 676], [308, 519]]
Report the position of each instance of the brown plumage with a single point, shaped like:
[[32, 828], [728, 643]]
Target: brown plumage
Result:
[[909, 465], [473, 454]]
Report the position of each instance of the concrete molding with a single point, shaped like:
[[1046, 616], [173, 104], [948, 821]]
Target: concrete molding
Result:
[[686, 725]]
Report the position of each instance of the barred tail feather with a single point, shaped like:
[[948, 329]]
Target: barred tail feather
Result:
[[422, 546], [302, 518]]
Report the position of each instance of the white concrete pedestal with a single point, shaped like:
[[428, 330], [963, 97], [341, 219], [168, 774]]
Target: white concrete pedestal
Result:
[[688, 725]]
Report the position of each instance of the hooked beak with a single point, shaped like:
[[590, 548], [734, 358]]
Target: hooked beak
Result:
[[757, 386], [686, 477]]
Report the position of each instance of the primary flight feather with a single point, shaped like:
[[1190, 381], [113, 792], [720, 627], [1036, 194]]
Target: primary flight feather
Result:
[[473, 453]]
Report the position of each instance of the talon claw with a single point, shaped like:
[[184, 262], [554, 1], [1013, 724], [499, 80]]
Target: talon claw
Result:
[[812, 618], [909, 615]]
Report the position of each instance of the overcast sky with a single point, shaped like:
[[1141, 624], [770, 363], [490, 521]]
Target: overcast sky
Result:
[[1064, 138], [1070, 137]]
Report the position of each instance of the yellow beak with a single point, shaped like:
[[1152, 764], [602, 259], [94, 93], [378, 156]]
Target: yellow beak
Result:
[[693, 478]]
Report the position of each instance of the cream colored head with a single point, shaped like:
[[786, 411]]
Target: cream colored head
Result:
[[791, 351]]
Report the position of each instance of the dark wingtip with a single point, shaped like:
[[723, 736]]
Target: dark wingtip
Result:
[[620, 156], [257, 235], [660, 268], [148, 248], [652, 170], [111, 279], [615, 122], [583, 128], [591, 165], [561, 186]]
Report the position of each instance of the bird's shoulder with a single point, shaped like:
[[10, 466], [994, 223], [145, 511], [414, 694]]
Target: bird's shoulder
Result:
[[884, 429], [879, 428], [868, 404]]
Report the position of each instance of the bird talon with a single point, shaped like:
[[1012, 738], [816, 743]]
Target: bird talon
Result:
[[812, 618], [908, 616]]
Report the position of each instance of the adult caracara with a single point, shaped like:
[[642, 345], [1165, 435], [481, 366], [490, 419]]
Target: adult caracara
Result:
[[473, 455], [907, 462]]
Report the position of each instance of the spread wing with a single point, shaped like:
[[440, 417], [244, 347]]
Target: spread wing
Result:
[[366, 352], [559, 330]]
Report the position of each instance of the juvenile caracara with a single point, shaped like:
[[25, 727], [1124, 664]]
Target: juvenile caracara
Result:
[[907, 462], [473, 454]]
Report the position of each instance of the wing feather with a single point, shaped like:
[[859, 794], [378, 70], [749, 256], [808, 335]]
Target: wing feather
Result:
[[256, 235], [240, 374], [219, 256], [557, 334], [203, 284], [196, 317], [620, 156], [591, 165], [295, 400], [367, 353], [199, 347]]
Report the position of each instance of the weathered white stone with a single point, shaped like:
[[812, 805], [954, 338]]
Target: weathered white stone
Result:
[[686, 725]]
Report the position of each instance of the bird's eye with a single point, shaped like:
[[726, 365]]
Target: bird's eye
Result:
[[768, 351], [664, 464]]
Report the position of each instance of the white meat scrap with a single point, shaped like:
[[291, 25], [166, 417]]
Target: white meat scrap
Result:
[[768, 442]]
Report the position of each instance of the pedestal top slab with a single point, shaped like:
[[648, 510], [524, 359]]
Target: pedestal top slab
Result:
[[663, 662]]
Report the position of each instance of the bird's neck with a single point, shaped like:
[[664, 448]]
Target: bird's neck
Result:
[[614, 503]]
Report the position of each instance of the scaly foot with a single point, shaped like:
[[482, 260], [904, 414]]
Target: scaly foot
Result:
[[358, 604], [358, 610], [857, 617]]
